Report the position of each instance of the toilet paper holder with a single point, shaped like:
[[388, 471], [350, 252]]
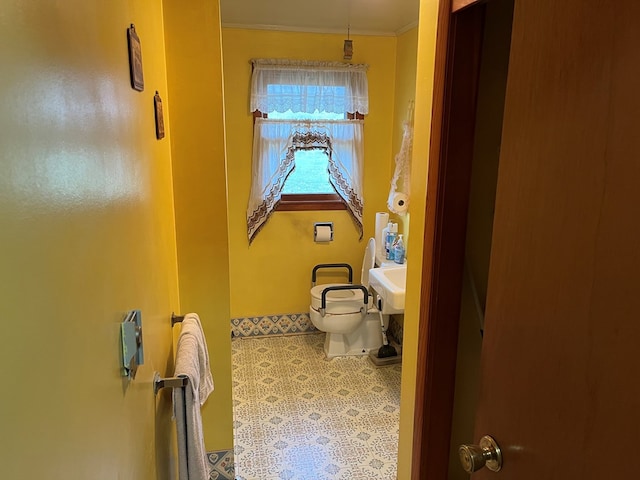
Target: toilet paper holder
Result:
[[316, 229]]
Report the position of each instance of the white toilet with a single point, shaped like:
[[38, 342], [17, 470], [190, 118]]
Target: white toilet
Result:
[[352, 325]]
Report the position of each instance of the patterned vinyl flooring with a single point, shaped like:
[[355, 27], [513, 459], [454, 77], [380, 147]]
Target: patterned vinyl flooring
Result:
[[299, 416]]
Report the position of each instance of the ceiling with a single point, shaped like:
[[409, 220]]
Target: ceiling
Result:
[[363, 17]]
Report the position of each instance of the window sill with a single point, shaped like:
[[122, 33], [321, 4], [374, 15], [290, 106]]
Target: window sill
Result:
[[301, 202]]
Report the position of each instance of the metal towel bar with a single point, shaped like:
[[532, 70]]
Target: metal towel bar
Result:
[[176, 318], [171, 382]]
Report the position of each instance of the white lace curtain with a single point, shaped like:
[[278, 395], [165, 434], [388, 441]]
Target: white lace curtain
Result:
[[398, 201], [274, 146], [302, 86]]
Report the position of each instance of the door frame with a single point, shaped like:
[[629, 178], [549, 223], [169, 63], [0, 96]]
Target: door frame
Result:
[[456, 76]]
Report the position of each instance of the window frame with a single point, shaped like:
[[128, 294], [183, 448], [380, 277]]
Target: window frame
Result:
[[295, 202]]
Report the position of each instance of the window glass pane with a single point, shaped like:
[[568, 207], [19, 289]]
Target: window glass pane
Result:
[[311, 173]]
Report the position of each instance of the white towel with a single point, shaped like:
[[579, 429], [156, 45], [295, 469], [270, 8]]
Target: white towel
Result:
[[192, 360]]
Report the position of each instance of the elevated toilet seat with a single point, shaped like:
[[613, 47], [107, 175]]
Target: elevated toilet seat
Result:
[[351, 327], [339, 301]]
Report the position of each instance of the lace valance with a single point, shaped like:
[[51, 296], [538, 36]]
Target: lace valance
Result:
[[303, 86]]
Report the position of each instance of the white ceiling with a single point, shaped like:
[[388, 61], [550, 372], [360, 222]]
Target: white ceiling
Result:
[[365, 17]]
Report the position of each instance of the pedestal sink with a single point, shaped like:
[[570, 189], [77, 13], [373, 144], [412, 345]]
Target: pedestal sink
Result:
[[389, 283]]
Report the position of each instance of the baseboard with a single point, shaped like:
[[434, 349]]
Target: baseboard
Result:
[[293, 323], [221, 465]]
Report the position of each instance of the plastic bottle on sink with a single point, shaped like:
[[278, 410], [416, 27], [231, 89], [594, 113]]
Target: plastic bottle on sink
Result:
[[389, 234], [398, 250]]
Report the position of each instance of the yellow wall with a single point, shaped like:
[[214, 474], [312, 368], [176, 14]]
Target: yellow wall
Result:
[[407, 53], [194, 66], [406, 64], [419, 164], [273, 275], [87, 234]]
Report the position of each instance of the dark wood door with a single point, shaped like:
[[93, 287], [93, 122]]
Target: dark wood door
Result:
[[561, 352]]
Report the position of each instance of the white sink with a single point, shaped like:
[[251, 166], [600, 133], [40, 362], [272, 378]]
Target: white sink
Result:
[[389, 283]]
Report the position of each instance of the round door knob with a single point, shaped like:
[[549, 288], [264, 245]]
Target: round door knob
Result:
[[474, 457]]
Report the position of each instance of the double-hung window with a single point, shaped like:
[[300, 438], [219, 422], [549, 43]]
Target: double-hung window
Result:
[[308, 148]]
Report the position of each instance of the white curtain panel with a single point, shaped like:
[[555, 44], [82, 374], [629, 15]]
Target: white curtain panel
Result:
[[346, 165], [333, 87], [274, 146]]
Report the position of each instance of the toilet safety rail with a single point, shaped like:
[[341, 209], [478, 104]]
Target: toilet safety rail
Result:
[[331, 265], [323, 300]]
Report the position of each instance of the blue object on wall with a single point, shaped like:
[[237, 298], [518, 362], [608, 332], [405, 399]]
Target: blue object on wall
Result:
[[132, 352]]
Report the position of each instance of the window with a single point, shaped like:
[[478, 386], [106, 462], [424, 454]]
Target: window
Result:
[[308, 186], [313, 131], [311, 174]]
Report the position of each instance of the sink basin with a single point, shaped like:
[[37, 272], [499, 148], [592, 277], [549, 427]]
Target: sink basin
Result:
[[389, 283]]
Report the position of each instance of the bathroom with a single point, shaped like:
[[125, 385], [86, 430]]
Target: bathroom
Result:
[[261, 269], [283, 253], [134, 221], [100, 216]]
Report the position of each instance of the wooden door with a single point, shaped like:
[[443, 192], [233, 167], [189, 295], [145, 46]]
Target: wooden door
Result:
[[561, 352]]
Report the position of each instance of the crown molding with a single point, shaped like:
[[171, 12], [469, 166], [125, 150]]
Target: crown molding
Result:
[[331, 31]]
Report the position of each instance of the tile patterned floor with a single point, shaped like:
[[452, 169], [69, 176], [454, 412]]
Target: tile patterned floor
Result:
[[298, 416]]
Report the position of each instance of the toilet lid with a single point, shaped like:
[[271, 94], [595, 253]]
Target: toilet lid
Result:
[[368, 262]]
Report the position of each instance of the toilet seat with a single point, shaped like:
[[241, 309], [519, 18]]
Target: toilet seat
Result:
[[338, 301]]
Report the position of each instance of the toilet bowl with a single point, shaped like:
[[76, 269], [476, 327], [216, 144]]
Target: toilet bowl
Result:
[[347, 313]]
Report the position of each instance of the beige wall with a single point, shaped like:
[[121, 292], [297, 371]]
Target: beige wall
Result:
[[87, 234]]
